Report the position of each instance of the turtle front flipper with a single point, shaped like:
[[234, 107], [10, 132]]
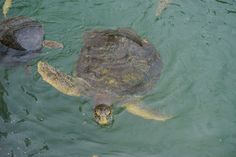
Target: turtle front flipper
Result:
[[52, 44], [136, 109], [63, 82], [6, 6]]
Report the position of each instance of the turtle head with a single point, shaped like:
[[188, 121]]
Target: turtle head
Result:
[[103, 114]]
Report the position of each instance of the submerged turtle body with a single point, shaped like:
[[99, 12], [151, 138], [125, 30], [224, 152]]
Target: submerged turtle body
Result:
[[21, 39], [21, 33], [118, 61], [113, 67]]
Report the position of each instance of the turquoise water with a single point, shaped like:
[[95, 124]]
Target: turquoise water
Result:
[[196, 40]]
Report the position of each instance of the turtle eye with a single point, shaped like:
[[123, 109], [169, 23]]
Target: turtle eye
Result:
[[108, 112], [98, 112]]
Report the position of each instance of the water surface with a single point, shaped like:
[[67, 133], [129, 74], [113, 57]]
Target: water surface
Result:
[[196, 41]]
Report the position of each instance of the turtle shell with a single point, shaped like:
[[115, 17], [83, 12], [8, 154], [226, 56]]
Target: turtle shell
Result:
[[118, 61], [21, 33], [21, 40]]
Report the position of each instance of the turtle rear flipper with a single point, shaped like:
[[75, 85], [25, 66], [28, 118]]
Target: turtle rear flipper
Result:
[[63, 82], [136, 109]]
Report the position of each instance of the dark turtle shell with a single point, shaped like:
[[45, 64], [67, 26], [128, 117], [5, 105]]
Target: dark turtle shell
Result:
[[21, 33], [21, 39], [118, 61]]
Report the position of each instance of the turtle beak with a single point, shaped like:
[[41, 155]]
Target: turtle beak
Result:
[[103, 120]]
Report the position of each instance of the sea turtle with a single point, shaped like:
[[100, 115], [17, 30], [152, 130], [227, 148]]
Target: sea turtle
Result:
[[114, 67], [21, 39]]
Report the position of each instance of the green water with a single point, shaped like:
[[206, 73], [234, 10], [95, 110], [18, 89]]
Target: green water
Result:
[[197, 43]]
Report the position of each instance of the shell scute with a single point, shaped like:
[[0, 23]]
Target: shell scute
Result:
[[119, 61]]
